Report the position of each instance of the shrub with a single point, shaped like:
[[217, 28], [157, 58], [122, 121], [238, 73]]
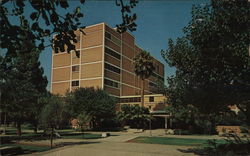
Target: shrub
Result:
[[234, 146]]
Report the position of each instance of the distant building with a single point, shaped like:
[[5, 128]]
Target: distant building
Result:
[[106, 61]]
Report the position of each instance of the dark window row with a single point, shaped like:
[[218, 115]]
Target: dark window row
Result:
[[157, 76], [113, 39], [152, 84], [132, 99], [112, 53], [75, 68], [75, 83], [108, 35], [111, 83], [112, 68]]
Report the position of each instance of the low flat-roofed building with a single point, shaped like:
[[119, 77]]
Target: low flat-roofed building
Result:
[[153, 102]]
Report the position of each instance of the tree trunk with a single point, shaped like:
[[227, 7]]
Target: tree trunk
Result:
[[51, 137], [5, 126], [142, 94], [35, 129], [19, 131]]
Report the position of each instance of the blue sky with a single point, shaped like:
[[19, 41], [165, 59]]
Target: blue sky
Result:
[[157, 20]]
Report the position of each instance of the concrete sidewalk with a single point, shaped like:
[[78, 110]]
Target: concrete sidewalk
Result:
[[118, 149], [117, 145]]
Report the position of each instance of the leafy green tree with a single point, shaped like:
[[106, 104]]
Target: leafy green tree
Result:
[[187, 117], [51, 114], [35, 113], [134, 115], [28, 32], [144, 68], [40, 83], [98, 103], [212, 61], [128, 19], [23, 82], [82, 120]]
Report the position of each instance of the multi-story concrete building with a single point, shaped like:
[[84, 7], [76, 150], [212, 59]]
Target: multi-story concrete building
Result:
[[106, 61]]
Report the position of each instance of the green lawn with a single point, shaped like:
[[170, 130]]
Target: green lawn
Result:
[[34, 148], [28, 148], [172, 141]]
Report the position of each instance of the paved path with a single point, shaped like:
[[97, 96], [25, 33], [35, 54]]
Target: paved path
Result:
[[118, 149], [117, 146]]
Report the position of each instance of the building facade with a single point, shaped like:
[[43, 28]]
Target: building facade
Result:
[[106, 61]]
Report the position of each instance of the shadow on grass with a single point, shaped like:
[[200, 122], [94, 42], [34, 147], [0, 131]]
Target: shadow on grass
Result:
[[227, 149], [190, 150], [32, 148], [81, 136]]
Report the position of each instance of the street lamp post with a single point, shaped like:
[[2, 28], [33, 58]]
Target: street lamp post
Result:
[[150, 123]]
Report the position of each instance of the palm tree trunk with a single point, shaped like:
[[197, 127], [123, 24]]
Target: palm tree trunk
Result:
[[142, 94], [51, 137]]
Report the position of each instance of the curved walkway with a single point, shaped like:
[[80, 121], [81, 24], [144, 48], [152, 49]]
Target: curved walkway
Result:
[[117, 145]]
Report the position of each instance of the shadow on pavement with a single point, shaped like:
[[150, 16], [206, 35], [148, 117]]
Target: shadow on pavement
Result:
[[61, 144], [190, 150]]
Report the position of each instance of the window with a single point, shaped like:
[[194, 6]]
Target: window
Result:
[[112, 53], [108, 35], [112, 68], [111, 83], [128, 100], [151, 99], [137, 99], [154, 75], [75, 68], [75, 83]]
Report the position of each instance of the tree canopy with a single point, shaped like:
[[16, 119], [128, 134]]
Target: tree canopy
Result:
[[212, 59], [144, 68], [46, 12], [96, 102], [134, 116], [22, 83], [143, 65]]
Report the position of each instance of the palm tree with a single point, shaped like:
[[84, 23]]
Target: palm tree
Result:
[[82, 120], [143, 67]]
